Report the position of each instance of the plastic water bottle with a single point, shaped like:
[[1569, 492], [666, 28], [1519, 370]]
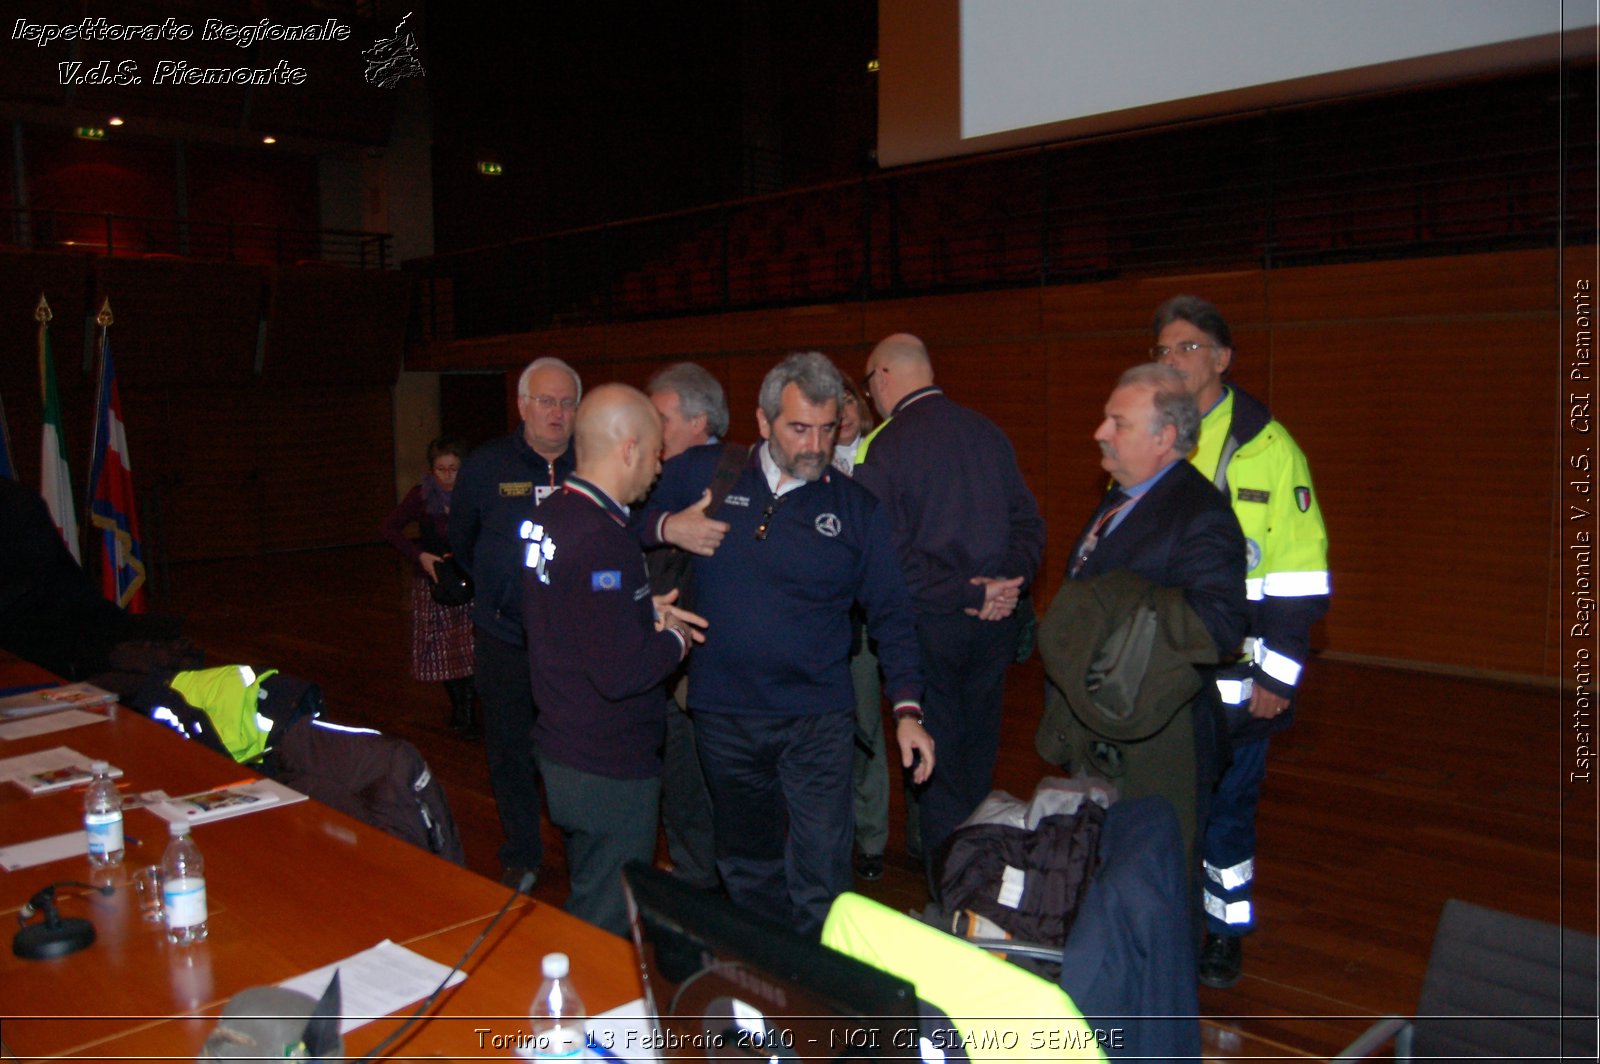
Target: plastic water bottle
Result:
[[102, 817], [556, 1015], [183, 888]]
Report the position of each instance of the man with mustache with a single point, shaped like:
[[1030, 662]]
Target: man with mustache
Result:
[[770, 689]]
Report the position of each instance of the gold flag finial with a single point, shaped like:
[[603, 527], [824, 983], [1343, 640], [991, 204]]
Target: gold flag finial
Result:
[[104, 318], [41, 313]]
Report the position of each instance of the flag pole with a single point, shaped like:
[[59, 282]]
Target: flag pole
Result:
[[104, 320]]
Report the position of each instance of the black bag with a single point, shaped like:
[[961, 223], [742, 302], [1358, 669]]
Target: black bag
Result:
[[451, 585], [1029, 882]]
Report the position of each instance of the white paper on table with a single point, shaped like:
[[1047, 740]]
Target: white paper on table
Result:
[[375, 982], [52, 722], [43, 851]]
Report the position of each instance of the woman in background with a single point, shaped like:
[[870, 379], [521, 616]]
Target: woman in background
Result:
[[441, 636]]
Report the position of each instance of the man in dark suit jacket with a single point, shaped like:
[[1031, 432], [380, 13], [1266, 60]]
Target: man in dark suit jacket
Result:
[[1163, 521]]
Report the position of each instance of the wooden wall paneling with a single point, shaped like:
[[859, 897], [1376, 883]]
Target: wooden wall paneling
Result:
[[212, 508], [336, 325], [1129, 303], [746, 371], [670, 337], [968, 317], [1079, 374], [1433, 465], [1451, 287], [181, 323], [1252, 361], [634, 371], [327, 465], [825, 326]]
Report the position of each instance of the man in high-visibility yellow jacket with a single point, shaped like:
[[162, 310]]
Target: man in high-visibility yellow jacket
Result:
[[1252, 459]]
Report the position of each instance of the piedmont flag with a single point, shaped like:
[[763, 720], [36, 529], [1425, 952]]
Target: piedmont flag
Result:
[[111, 504], [54, 483]]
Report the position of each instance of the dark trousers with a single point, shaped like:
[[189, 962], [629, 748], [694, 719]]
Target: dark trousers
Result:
[[871, 769], [1229, 847], [686, 804], [964, 664], [605, 823], [780, 790], [506, 696]]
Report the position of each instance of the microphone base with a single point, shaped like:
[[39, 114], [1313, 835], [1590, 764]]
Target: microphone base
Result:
[[41, 943]]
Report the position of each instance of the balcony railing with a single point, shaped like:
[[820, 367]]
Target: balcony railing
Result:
[[41, 229], [1472, 168]]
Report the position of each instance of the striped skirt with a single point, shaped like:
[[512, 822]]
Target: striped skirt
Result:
[[441, 636]]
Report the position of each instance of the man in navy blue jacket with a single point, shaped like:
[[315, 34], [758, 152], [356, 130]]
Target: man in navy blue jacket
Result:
[[599, 650], [970, 539], [774, 705], [499, 485]]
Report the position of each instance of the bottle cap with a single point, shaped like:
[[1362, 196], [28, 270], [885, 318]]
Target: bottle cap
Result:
[[180, 827], [554, 966]]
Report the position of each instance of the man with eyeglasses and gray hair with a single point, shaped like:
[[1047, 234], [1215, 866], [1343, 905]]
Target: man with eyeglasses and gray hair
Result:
[[770, 689], [492, 507], [1251, 458]]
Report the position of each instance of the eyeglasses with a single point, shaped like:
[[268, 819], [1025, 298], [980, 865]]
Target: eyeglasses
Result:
[[1183, 347], [550, 402]]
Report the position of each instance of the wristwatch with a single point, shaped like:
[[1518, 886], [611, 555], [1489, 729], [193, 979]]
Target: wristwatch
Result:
[[908, 713]]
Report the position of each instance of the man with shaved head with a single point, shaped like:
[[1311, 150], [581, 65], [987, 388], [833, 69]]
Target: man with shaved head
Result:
[[599, 649], [970, 539]]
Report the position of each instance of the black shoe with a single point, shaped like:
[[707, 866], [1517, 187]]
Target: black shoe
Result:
[[1221, 960], [869, 866], [510, 877]]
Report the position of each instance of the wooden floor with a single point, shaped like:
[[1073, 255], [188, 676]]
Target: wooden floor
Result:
[[1395, 791]]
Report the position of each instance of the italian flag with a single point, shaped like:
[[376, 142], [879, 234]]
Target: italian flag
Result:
[[54, 482]]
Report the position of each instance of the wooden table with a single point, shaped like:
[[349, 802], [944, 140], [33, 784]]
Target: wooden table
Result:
[[290, 889]]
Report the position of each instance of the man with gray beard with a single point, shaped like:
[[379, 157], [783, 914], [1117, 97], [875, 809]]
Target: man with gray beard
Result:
[[770, 689]]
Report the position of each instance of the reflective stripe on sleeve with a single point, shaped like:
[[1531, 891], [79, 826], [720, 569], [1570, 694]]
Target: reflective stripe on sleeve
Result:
[[1235, 692], [1235, 877], [1280, 667], [1252, 588], [1293, 585], [1236, 914]]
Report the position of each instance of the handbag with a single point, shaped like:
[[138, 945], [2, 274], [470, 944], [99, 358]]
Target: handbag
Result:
[[451, 585]]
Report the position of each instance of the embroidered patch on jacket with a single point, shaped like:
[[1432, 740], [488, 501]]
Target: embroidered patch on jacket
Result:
[[1253, 495], [1252, 555], [736, 500], [605, 580], [827, 524], [1302, 498], [516, 489]]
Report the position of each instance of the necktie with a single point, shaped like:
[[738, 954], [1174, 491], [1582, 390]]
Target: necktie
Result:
[[1118, 501]]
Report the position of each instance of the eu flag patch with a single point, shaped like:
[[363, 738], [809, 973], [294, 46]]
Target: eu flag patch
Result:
[[605, 580]]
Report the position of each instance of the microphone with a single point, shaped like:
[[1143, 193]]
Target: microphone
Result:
[[55, 937], [44, 901], [524, 885]]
